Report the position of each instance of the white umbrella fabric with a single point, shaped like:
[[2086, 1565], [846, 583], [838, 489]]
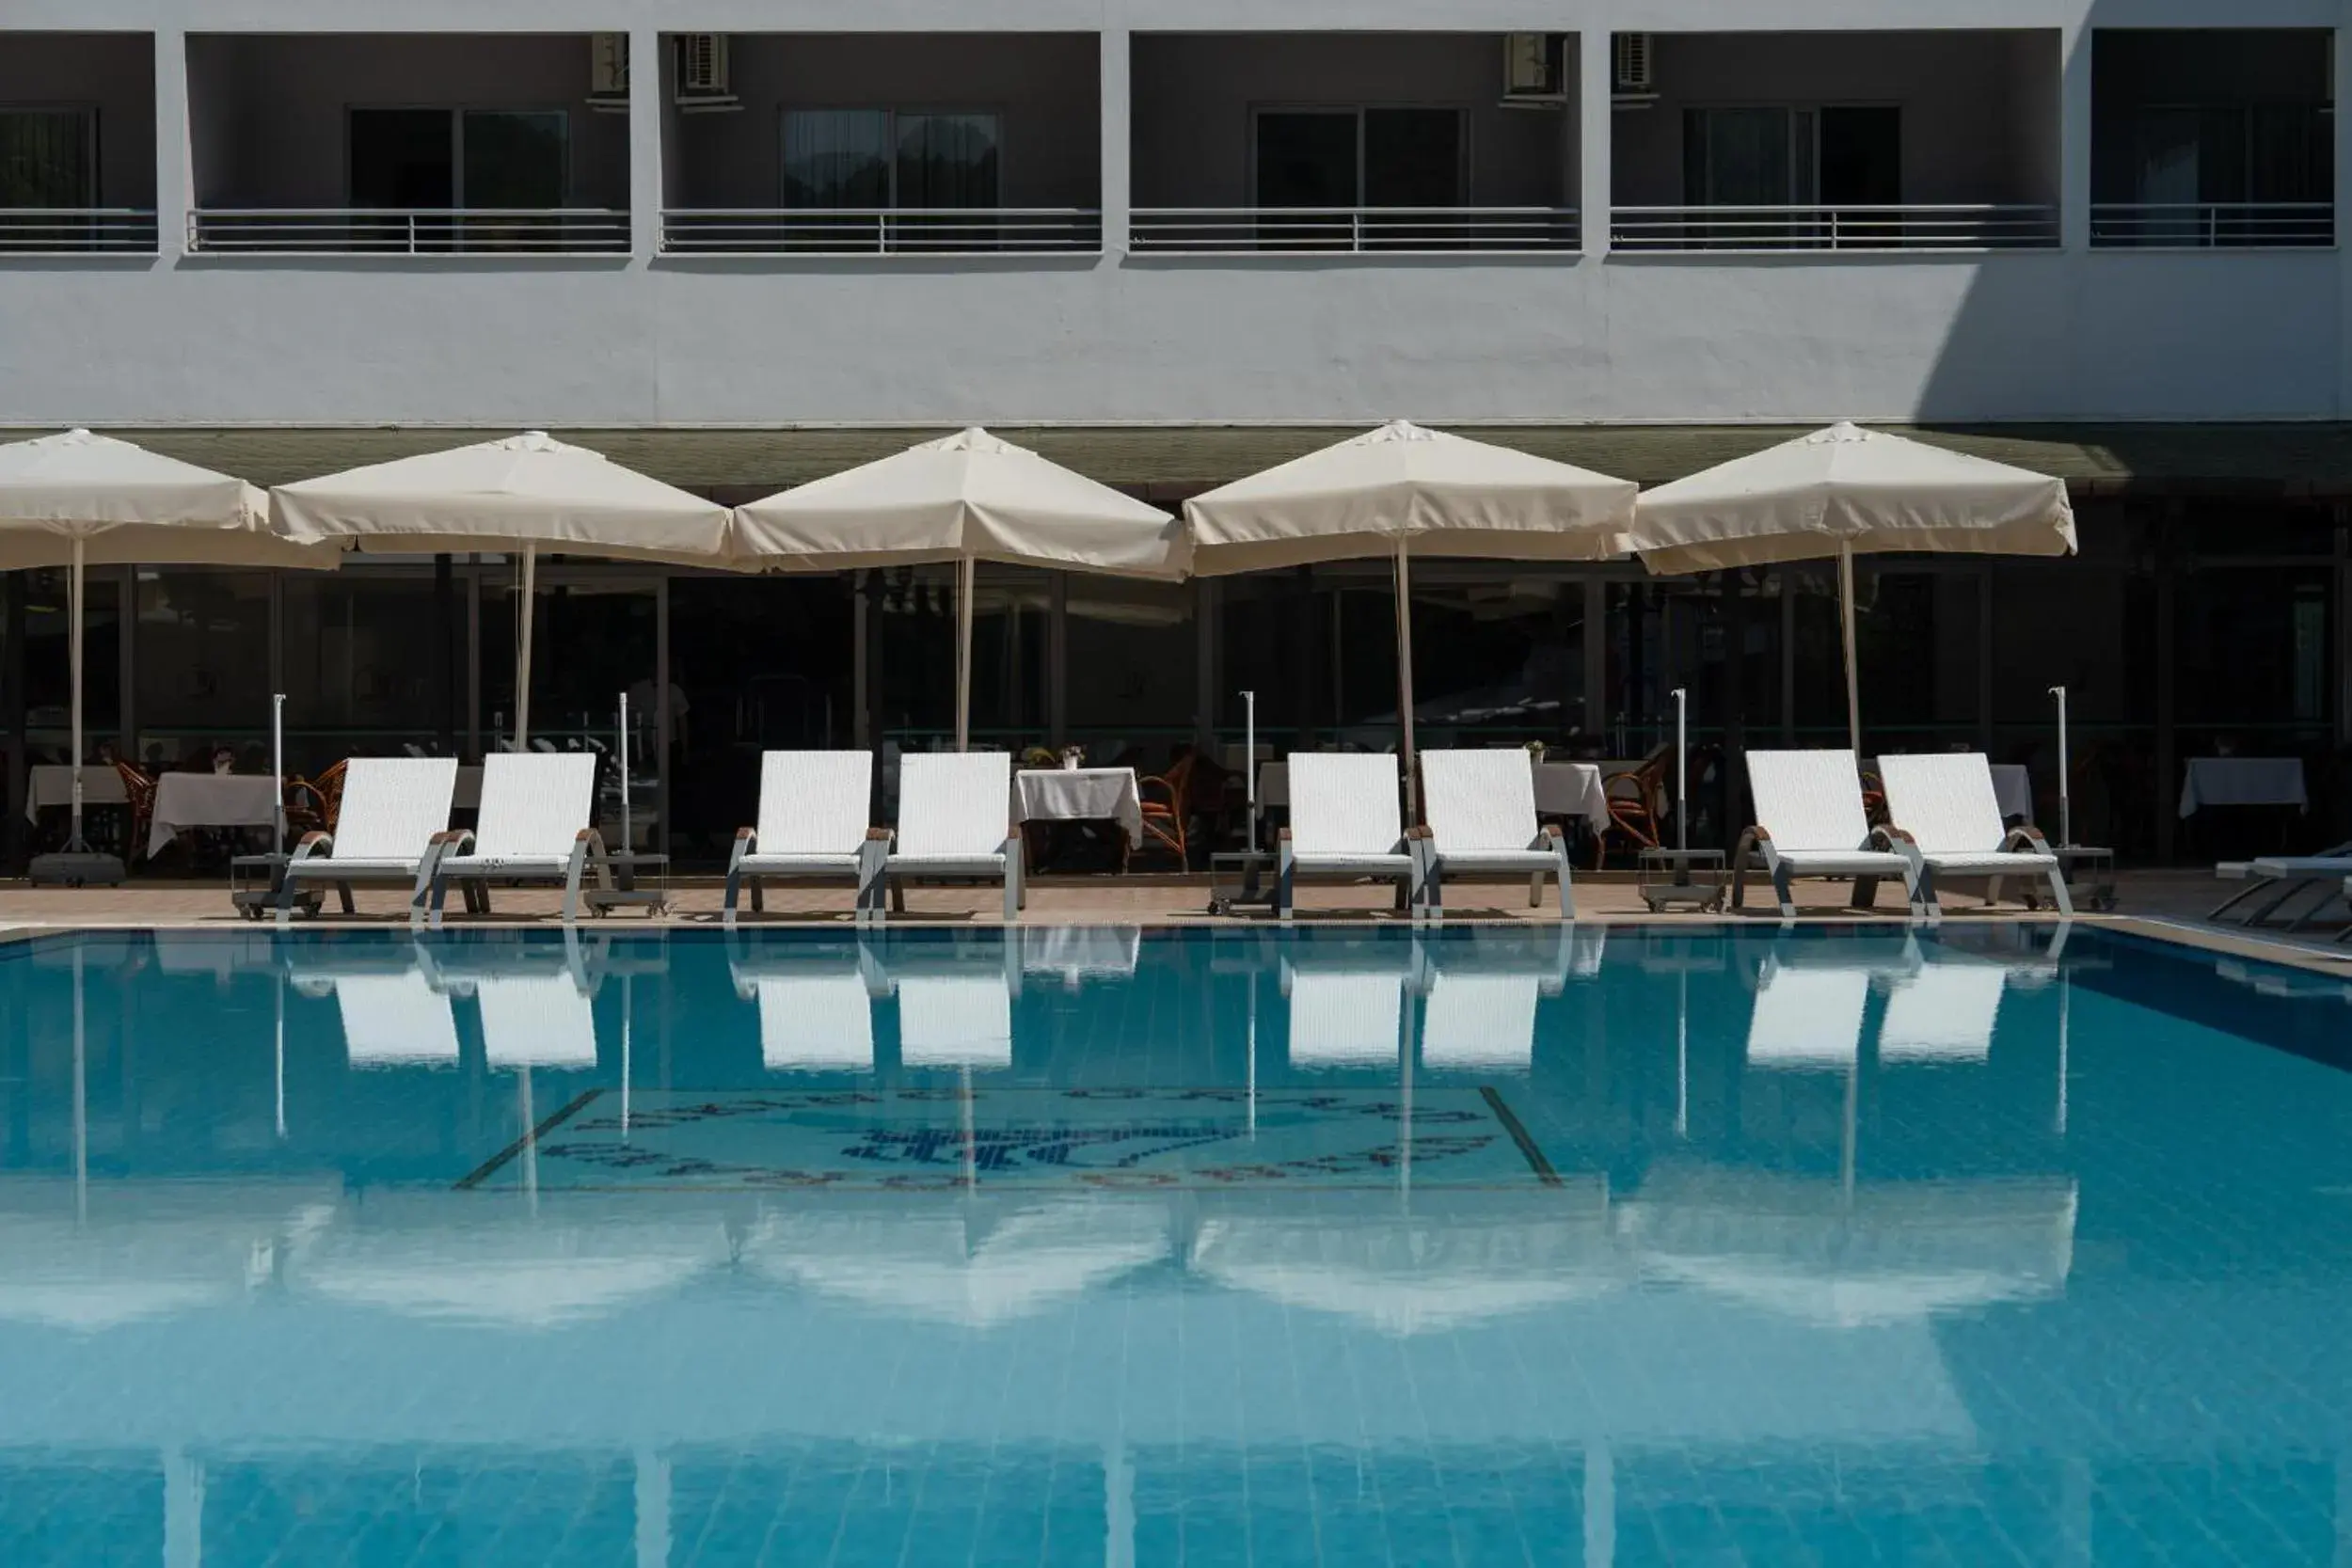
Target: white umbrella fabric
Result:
[[78, 499], [521, 494], [1399, 487], [1845, 491], [966, 497]]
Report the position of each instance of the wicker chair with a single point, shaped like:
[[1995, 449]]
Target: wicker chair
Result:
[[138, 792], [1167, 809], [313, 805], [1637, 804]]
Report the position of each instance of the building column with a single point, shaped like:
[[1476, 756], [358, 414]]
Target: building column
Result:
[[175, 188], [2074, 137], [1596, 58], [645, 194], [1118, 110], [1208, 699], [1057, 664]]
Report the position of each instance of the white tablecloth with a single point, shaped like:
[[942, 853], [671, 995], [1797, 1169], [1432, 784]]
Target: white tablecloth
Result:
[[1573, 789], [51, 784], [2243, 782], [210, 800], [1079, 794]]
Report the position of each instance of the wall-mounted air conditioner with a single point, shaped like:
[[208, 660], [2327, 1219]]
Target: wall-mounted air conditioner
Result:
[[702, 74], [1631, 77], [608, 72], [1534, 71]]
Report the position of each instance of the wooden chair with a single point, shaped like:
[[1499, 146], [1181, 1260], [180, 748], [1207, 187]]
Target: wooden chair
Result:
[[138, 792], [1167, 809], [1637, 804], [312, 805]]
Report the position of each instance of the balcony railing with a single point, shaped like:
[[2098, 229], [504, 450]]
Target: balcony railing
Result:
[[1842, 228], [410, 231], [76, 231], [881, 231], [2212, 225], [1350, 231]]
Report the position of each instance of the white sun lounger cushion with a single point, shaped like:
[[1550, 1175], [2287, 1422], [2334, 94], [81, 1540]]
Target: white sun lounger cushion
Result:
[[533, 806], [391, 808], [536, 1019], [1946, 802], [956, 1019], [813, 807], [816, 1023], [1809, 801], [954, 807], [1344, 812]]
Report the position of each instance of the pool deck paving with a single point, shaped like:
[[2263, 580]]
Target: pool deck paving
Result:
[[2170, 904]]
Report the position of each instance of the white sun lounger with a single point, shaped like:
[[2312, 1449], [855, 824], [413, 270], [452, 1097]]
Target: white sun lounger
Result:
[[1945, 1013], [386, 831], [813, 827], [1345, 825], [538, 812], [954, 826], [1809, 822], [1481, 819], [2281, 877], [1947, 819]]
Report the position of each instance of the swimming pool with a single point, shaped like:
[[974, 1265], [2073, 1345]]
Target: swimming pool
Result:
[[1632, 1247]]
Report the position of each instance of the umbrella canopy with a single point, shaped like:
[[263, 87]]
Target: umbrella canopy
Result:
[[1401, 487], [1448, 495], [522, 494], [965, 498], [78, 499], [1845, 491], [1850, 488]]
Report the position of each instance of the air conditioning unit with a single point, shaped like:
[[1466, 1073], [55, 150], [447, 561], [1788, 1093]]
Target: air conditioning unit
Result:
[[1535, 70], [608, 72], [701, 73], [1631, 77]]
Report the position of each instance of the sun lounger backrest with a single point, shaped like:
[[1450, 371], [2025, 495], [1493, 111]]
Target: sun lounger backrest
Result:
[[954, 802], [391, 806], [1808, 800], [815, 803], [1345, 804], [1479, 799], [1944, 801], [535, 804]]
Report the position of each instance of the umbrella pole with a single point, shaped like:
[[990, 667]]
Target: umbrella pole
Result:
[[1404, 679], [968, 572], [522, 648], [73, 648], [1853, 679]]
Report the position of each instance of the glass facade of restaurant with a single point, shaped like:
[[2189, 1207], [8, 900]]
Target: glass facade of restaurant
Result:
[[2185, 628]]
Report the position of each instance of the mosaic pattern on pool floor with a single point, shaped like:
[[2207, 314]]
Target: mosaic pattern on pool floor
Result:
[[918, 1139]]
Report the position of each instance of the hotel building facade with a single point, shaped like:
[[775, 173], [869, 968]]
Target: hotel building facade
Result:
[[743, 243]]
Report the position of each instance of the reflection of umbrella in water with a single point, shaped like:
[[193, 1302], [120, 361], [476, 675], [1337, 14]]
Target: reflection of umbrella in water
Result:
[[446, 1255], [147, 1249], [1884, 1254], [977, 1266], [1449, 1261]]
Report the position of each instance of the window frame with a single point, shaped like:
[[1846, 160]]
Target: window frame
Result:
[[457, 113], [891, 114], [1464, 125]]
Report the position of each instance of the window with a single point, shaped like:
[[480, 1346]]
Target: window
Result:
[[1792, 157], [48, 158], [1356, 157], [870, 159], [2232, 157]]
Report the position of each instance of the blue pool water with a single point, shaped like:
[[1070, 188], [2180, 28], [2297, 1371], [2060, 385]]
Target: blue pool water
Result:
[[1492, 1247]]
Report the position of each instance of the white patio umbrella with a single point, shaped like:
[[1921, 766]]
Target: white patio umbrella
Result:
[[77, 500], [1399, 487], [965, 498], [1845, 491], [522, 494]]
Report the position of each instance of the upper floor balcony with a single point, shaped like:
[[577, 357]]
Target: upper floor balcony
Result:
[[2213, 139], [1272, 143], [1888, 141], [879, 145], [77, 143], [404, 144]]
